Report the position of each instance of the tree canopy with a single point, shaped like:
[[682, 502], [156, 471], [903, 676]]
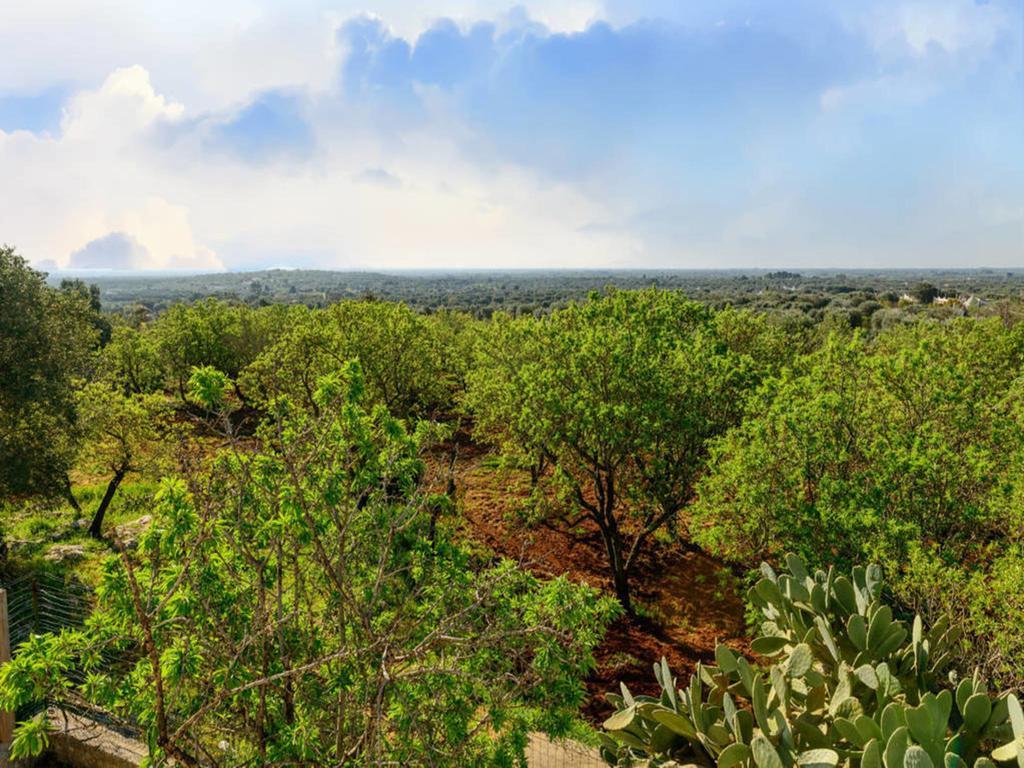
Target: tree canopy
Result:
[[46, 340], [620, 396]]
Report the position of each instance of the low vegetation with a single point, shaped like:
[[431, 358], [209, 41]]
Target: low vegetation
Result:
[[846, 683], [262, 486]]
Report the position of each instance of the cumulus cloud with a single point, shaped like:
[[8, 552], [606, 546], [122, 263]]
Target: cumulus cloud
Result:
[[588, 133], [114, 251]]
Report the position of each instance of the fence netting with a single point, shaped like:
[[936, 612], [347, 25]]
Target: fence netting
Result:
[[44, 602]]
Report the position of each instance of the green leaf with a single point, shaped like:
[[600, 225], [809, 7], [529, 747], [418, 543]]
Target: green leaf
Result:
[[734, 754], [857, 630], [866, 674], [1016, 716], [818, 758], [915, 757], [796, 566], [800, 660], [896, 748], [1007, 752], [872, 757], [879, 628], [764, 753], [725, 659], [919, 721], [674, 722], [977, 711], [768, 646], [621, 719]]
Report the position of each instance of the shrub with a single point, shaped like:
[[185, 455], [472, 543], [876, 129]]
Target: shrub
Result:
[[846, 683]]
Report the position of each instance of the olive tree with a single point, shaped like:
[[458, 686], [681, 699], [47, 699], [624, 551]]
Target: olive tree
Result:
[[865, 446], [405, 357], [122, 435], [620, 396]]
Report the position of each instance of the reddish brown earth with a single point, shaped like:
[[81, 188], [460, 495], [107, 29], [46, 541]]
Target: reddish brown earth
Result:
[[689, 600]]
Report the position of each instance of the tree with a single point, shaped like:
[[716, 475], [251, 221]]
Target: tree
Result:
[[620, 396], [46, 340], [906, 449], [287, 607], [193, 335], [496, 394], [122, 435], [400, 352], [866, 446], [133, 360], [91, 294], [925, 293]]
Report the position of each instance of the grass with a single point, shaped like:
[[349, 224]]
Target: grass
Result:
[[32, 529]]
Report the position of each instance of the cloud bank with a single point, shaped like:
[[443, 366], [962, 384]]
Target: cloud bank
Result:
[[614, 134]]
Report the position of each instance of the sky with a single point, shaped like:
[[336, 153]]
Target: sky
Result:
[[248, 134]]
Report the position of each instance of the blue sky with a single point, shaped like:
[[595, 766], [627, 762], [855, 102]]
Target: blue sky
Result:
[[471, 133]]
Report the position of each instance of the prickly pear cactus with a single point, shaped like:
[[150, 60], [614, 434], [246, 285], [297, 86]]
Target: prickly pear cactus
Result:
[[845, 683]]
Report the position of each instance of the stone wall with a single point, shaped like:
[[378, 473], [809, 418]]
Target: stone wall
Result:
[[83, 743]]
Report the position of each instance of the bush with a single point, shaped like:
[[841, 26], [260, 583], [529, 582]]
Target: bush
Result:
[[846, 683]]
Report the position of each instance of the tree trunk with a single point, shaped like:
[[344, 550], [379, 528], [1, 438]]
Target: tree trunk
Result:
[[238, 391], [609, 525], [621, 579], [70, 496], [620, 573], [96, 528]]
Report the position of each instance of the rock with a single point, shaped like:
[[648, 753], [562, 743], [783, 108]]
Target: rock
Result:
[[129, 533], [59, 553]]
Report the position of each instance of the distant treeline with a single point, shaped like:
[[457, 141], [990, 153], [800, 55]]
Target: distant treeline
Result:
[[856, 294]]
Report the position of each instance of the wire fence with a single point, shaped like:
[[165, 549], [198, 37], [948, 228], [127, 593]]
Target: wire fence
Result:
[[542, 752], [44, 602]]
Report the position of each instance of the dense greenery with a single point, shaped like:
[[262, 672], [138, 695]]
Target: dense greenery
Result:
[[905, 448], [288, 606], [46, 342], [620, 396], [847, 684], [306, 582]]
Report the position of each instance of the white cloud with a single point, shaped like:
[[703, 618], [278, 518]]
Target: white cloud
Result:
[[146, 150], [107, 173], [123, 106], [953, 26]]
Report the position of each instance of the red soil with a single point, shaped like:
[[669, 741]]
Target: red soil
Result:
[[690, 601]]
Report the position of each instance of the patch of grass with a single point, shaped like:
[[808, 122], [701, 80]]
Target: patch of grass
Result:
[[622, 660], [652, 612], [34, 528]]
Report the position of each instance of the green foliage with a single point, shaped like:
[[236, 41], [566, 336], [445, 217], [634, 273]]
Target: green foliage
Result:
[[194, 335], [846, 683], [925, 293], [46, 338], [208, 386], [409, 362], [133, 360], [123, 434], [31, 740], [294, 605], [904, 448], [619, 395]]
